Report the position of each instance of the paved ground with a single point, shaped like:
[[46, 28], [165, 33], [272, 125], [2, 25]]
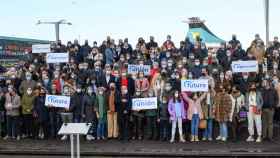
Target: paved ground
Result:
[[113, 148]]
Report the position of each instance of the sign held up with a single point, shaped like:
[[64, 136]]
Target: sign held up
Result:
[[144, 103], [57, 101], [199, 85], [41, 48], [244, 66], [137, 68], [57, 58]]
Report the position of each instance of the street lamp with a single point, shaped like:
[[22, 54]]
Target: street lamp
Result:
[[56, 25], [266, 14]]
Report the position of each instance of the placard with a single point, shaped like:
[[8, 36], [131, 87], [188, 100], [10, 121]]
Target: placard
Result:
[[57, 101], [199, 85], [57, 58], [137, 68], [41, 48], [244, 66], [144, 103]]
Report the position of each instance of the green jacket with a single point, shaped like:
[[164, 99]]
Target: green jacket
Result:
[[101, 106], [27, 102]]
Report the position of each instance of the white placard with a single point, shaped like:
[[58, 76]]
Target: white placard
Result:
[[41, 48], [244, 66], [199, 85], [57, 58], [74, 128], [144, 103], [136, 68], [57, 101]]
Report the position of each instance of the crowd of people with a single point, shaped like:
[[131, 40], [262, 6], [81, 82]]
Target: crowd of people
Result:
[[101, 91]]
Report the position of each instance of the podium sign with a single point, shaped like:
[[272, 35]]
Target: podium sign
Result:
[[74, 129]]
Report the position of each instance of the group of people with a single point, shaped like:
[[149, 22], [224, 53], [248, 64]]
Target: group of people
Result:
[[101, 91]]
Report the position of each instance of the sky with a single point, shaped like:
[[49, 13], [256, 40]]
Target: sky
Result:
[[96, 19]]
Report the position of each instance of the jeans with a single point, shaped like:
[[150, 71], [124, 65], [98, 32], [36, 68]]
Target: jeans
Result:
[[194, 124], [54, 123], [101, 128], [174, 126], [209, 129], [223, 129], [27, 124], [267, 123], [163, 129], [12, 126], [252, 117], [112, 124], [151, 127], [137, 126]]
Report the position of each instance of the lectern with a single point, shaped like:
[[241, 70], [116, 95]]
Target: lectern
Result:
[[74, 129]]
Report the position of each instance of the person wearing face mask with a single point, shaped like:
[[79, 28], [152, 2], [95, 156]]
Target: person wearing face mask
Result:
[[113, 97], [56, 81], [196, 69], [177, 114], [137, 120], [152, 43], [270, 101], [221, 111], [101, 112], [276, 85], [27, 103], [142, 84], [77, 101], [234, 42], [162, 118], [194, 112], [28, 82], [254, 103], [168, 44], [40, 116], [12, 106], [151, 120], [66, 115], [2, 112], [89, 113], [124, 114]]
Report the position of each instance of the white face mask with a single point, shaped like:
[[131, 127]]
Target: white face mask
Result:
[[196, 63], [29, 92], [79, 90]]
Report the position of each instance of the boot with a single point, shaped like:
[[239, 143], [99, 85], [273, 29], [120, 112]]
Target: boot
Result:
[[196, 139]]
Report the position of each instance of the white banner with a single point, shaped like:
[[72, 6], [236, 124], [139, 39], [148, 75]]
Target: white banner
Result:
[[57, 58], [136, 68], [244, 66], [144, 103], [199, 85], [41, 48], [57, 101]]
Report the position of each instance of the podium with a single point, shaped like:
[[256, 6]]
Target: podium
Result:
[[74, 129]]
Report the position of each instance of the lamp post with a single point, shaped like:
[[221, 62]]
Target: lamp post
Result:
[[56, 25], [266, 14]]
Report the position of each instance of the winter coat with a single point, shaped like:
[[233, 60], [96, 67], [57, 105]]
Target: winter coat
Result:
[[12, 105], [40, 111], [172, 111], [27, 103], [222, 107]]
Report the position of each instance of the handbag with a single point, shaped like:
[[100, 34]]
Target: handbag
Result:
[[242, 115], [256, 110], [202, 124]]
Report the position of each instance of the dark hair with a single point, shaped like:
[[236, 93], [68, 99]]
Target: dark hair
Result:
[[173, 96]]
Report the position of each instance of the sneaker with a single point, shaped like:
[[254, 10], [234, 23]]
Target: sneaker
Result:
[[182, 140], [24, 136], [6, 138], [192, 138], [224, 139], [259, 139], [204, 139], [219, 138], [196, 139], [210, 139], [89, 138], [98, 138], [18, 138], [250, 139], [64, 138], [172, 141]]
